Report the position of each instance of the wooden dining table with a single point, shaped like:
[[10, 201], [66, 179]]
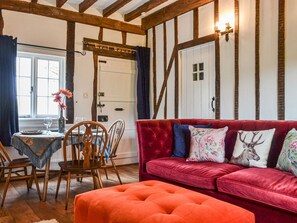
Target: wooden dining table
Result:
[[39, 147]]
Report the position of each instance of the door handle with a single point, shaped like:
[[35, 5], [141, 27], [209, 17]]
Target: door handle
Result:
[[119, 109], [212, 104]]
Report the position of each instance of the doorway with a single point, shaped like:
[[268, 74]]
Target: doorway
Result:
[[197, 66], [116, 100]]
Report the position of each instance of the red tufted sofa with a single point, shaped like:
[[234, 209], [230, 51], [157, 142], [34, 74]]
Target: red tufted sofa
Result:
[[268, 192]]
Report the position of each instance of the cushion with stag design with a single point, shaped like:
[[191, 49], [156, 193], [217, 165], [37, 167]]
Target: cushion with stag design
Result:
[[252, 148], [287, 159], [207, 144]]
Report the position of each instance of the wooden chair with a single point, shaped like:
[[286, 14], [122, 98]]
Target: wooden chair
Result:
[[115, 133], [83, 149], [16, 169]]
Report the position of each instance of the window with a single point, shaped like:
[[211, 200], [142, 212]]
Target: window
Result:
[[38, 76]]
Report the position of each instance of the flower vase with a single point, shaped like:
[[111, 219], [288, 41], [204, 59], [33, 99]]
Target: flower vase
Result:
[[61, 122]]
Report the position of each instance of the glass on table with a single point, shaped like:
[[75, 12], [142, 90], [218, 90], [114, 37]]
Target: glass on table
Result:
[[48, 121]]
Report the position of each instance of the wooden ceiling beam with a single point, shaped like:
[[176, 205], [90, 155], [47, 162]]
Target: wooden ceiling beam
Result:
[[169, 12], [83, 6], [35, 1], [63, 14], [60, 3], [143, 8], [115, 7]]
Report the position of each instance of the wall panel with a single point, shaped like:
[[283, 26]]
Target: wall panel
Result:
[[226, 8], [185, 27], [160, 65], [291, 60], [246, 59], [150, 45], [268, 59], [206, 20], [170, 89]]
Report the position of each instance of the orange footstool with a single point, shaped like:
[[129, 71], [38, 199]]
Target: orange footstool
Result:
[[154, 202]]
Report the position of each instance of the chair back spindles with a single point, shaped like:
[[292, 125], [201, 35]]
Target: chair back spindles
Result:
[[88, 140], [115, 132]]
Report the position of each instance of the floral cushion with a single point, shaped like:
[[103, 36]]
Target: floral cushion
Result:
[[287, 159], [181, 145], [252, 148], [207, 144]]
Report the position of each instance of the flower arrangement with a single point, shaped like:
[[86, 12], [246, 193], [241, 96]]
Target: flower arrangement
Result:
[[59, 96]]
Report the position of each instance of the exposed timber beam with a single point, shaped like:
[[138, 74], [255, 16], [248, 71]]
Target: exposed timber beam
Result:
[[143, 8], [115, 7], [70, 64], [83, 6], [63, 14], [34, 1], [60, 3], [1, 23], [169, 12]]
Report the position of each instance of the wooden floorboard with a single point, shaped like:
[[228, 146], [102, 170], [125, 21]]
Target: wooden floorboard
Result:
[[23, 207]]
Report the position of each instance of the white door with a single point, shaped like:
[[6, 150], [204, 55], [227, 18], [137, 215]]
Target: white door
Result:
[[198, 82], [116, 100]]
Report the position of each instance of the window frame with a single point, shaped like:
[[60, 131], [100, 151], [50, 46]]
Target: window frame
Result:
[[34, 79]]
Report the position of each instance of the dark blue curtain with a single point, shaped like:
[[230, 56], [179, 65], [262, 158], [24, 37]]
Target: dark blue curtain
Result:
[[8, 99], [143, 82]]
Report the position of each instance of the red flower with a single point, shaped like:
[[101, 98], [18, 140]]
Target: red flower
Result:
[[62, 106], [59, 97]]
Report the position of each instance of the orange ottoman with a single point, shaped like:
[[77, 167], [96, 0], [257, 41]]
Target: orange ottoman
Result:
[[154, 201]]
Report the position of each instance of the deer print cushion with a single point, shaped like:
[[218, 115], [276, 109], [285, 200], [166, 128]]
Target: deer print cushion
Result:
[[287, 159], [252, 148], [207, 144]]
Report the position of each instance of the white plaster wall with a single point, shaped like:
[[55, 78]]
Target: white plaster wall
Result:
[[160, 66], [83, 72], [171, 80], [268, 59], [246, 59], [185, 27], [291, 60], [206, 20], [226, 8], [150, 45]]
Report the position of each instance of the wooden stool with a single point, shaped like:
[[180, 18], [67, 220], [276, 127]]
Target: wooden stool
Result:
[[154, 201]]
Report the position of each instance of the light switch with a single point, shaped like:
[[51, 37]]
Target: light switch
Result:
[[85, 95]]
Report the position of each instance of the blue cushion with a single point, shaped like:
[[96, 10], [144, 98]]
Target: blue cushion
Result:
[[181, 135]]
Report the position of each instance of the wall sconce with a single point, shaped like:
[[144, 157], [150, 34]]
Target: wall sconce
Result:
[[228, 29]]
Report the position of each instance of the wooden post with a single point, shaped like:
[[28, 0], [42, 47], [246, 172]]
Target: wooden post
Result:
[[257, 60], [154, 69], [281, 60], [195, 23], [236, 58], [165, 66], [100, 35], [124, 38], [70, 59], [1, 23], [95, 88], [217, 65], [176, 81]]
